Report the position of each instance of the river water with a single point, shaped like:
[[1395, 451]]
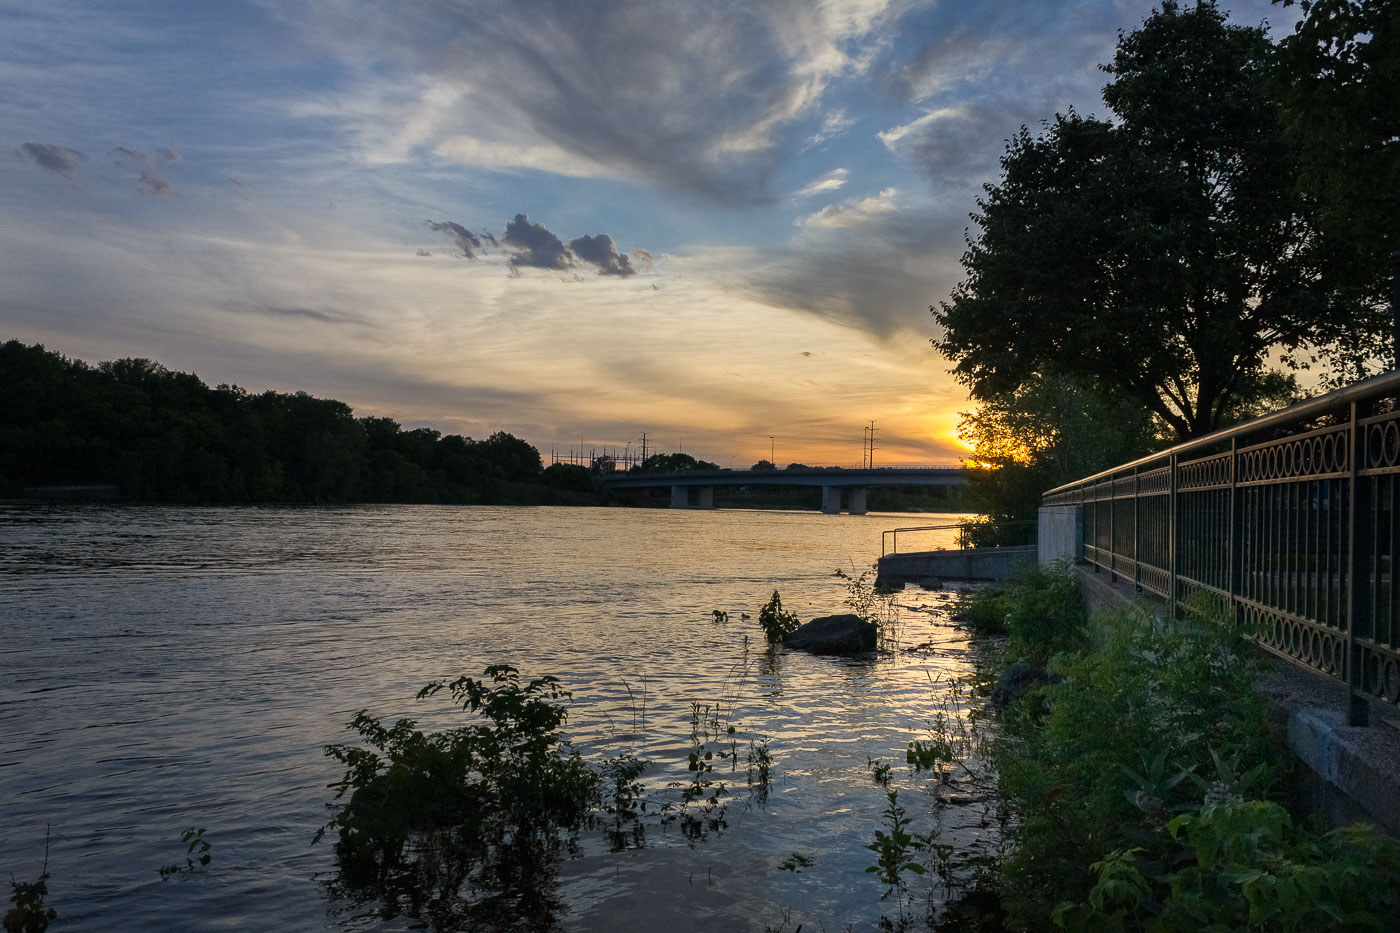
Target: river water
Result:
[[162, 668]]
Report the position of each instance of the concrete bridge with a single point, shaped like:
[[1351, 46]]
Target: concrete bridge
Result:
[[832, 481]]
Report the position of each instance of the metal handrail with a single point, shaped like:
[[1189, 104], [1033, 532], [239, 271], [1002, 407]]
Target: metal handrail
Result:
[[1288, 525], [884, 535], [1383, 384], [892, 535]]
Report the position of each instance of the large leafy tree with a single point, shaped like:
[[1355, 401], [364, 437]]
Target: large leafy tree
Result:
[[1160, 258], [1338, 76]]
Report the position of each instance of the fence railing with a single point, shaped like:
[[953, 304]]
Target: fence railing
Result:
[[1287, 524], [970, 534]]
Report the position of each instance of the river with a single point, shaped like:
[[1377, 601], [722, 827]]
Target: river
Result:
[[163, 668]]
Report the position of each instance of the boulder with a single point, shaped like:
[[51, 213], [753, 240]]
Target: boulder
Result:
[[1016, 680], [840, 634]]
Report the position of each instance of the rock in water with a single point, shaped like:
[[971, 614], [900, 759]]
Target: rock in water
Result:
[[841, 634]]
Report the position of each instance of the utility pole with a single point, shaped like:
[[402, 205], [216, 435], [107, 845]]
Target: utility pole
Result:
[[868, 450], [770, 452], [644, 446]]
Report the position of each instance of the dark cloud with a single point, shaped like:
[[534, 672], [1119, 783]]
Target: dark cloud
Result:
[[643, 257], [423, 252], [57, 159], [880, 275], [533, 245], [601, 251], [490, 238], [469, 243], [151, 181], [170, 155]]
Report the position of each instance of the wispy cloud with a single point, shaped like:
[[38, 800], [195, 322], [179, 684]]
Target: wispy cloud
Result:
[[678, 94], [520, 157], [831, 181], [854, 212], [834, 123], [151, 180]]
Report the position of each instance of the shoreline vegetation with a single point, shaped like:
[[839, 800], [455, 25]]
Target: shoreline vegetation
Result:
[[1141, 783], [146, 434]]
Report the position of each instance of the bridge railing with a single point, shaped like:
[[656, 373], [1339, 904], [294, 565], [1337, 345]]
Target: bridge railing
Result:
[[1287, 524]]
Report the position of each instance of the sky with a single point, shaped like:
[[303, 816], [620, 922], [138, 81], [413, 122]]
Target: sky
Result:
[[719, 224]]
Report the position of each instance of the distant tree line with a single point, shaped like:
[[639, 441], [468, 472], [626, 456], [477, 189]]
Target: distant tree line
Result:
[[163, 436]]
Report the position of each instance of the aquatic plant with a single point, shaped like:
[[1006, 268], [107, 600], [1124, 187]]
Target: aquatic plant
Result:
[[464, 828], [895, 851], [624, 802], [30, 914], [796, 862], [197, 853], [776, 623], [873, 605], [760, 766], [701, 809]]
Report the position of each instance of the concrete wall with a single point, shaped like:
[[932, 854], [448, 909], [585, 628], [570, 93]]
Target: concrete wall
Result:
[[985, 563], [1059, 533], [1345, 773]]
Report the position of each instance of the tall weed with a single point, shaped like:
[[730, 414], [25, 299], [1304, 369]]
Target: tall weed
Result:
[[1038, 609], [1099, 761]]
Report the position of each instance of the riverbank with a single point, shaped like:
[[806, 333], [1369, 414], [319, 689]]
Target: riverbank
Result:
[[1145, 784]]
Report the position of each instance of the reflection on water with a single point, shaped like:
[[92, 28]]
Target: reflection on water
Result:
[[165, 668]]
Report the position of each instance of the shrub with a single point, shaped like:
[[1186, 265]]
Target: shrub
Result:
[[776, 623], [1243, 865], [1039, 609], [462, 828], [1132, 733]]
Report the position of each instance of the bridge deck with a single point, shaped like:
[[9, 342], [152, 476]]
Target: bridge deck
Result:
[[927, 476]]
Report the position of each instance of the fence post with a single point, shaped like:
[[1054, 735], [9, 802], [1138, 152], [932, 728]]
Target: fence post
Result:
[[1112, 527], [1359, 520], [1172, 526], [1137, 530], [1095, 538], [1234, 581]]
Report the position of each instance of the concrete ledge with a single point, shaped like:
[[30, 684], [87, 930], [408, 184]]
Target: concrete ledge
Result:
[[1103, 592], [1345, 773], [982, 563]]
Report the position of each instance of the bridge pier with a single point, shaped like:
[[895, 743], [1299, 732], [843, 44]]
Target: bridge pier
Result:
[[855, 501], [704, 497], [831, 500]]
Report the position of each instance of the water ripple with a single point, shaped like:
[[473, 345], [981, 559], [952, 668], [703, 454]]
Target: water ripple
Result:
[[168, 667]]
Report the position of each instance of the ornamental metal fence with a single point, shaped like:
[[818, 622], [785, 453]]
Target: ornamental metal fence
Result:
[[1287, 524]]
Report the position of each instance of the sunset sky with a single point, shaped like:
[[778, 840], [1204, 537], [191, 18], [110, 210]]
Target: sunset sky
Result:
[[710, 222]]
